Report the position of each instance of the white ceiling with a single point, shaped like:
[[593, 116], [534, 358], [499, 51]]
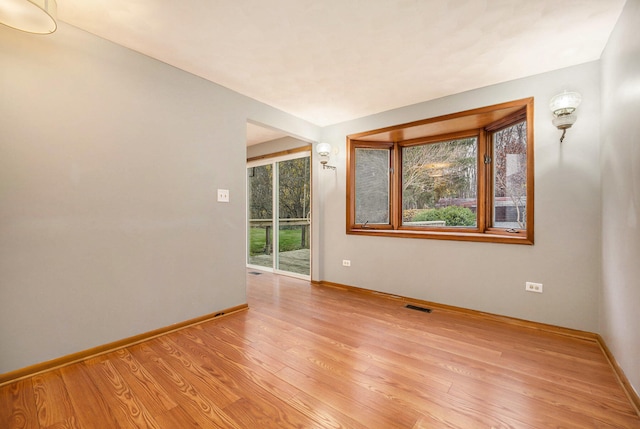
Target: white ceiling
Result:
[[329, 61]]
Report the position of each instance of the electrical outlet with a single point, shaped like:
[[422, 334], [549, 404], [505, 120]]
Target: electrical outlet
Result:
[[346, 263], [533, 287], [223, 195]]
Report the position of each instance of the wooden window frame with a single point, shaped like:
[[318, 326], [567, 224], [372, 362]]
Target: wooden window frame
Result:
[[351, 202], [483, 122]]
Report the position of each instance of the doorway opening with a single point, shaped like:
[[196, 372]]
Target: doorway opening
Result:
[[279, 209]]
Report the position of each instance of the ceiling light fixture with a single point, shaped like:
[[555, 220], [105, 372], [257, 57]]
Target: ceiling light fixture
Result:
[[563, 107], [324, 150], [31, 16]]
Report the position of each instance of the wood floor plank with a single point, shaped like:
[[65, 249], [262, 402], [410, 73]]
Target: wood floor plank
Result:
[[18, 406], [150, 393], [185, 364], [264, 405], [362, 405], [539, 412], [228, 362], [467, 371], [422, 394], [250, 363], [268, 401], [54, 407], [258, 412], [323, 413], [123, 402], [202, 409], [244, 353], [177, 417], [88, 402], [304, 356]]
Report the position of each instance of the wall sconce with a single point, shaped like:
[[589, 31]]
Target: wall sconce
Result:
[[563, 107], [31, 16], [324, 150]]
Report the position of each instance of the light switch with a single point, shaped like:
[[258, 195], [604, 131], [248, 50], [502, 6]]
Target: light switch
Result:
[[223, 195]]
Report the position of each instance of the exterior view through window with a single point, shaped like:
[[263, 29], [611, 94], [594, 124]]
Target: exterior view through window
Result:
[[465, 176], [372, 186], [510, 177], [439, 183]]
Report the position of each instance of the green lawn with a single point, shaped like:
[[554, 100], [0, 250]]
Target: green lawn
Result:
[[289, 240]]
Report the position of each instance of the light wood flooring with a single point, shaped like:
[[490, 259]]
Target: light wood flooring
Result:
[[306, 356]]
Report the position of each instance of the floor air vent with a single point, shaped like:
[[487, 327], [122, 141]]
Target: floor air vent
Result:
[[254, 273], [415, 307]]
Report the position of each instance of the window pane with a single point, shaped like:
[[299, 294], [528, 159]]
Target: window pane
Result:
[[294, 206], [439, 184], [510, 177], [260, 215], [372, 186]]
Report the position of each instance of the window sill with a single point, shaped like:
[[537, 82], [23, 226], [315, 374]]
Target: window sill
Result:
[[493, 236]]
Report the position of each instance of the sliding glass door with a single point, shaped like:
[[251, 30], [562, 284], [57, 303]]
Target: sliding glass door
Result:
[[279, 214]]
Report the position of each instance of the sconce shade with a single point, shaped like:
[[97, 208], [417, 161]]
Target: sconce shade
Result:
[[565, 103], [323, 149], [563, 107], [31, 16], [564, 121]]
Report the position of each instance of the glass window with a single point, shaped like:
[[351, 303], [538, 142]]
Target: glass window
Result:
[[260, 199], [510, 177], [372, 186], [439, 184], [463, 176]]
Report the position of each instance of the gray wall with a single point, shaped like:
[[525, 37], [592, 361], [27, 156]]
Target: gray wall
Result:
[[620, 318], [109, 165], [486, 276]]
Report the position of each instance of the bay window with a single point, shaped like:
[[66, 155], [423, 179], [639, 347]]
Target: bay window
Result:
[[465, 176]]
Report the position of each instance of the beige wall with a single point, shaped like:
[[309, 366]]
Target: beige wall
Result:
[[109, 165], [486, 276], [620, 304]]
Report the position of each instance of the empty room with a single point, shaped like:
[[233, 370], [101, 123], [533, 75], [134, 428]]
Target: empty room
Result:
[[320, 214]]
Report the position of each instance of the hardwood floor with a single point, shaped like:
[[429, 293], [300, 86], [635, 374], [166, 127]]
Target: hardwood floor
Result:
[[305, 356]]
